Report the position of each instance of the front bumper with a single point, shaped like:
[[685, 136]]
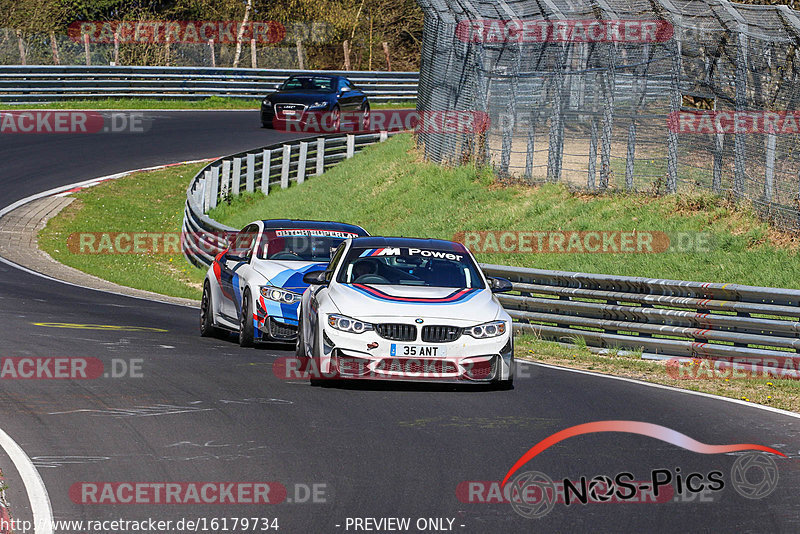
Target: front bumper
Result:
[[370, 356], [275, 321]]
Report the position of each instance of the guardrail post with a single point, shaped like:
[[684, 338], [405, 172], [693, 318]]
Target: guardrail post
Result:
[[214, 187], [251, 173], [301, 163], [237, 176], [320, 155], [384, 136], [351, 145], [226, 178], [266, 166], [287, 158], [207, 191]]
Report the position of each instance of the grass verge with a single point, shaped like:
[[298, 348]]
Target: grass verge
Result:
[[214, 102], [143, 202]]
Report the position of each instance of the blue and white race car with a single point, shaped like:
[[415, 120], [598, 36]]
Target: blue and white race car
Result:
[[254, 287], [406, 309]]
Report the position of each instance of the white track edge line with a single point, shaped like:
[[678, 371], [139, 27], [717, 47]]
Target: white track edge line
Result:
[[34, 485]]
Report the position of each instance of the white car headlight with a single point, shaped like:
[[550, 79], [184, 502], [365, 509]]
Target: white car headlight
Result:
[[490, 329], [348, 324], [280, 295]]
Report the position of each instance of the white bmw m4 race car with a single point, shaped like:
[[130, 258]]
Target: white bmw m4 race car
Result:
[[254, 287], [405, 309]]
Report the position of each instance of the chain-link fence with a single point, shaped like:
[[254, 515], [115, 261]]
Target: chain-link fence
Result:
[[653, 96]]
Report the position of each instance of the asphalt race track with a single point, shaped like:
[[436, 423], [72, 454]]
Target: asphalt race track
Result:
[[206, 410]]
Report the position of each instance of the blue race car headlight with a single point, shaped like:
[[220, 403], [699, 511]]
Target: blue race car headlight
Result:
[[318, 105], [280, 295], [490, 329], [348, 324]]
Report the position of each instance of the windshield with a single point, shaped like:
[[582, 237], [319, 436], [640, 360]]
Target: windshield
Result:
[[308, 83], [298, 244], [409, 266]]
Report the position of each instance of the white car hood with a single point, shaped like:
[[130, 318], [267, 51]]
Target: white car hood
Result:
[[365, 301]]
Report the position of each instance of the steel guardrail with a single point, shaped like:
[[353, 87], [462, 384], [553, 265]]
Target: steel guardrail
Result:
[[670, 318], [44, 83], [276, 165]]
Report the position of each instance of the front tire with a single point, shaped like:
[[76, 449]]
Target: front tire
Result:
[[504, 385], [246, 328], [207, 328], [365, 111], [336, 119]]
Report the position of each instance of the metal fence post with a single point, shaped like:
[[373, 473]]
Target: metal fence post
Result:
[[237, 176], [631, 154], [251, 173], [286, 165], [320, 155], [507, 125], [590, 175], [674, 107], [301, 163], [266, 164], [716, 179], [739, 140], [769, 172], [226, 178], [609, 84], [556, 144], [351, 145], [530, 149]]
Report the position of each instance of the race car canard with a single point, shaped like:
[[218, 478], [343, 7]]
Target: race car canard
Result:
[[255, 286], [405, 309]]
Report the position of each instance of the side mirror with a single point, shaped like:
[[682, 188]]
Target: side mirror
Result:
[[500, 285], [234, 257], [315, 278]]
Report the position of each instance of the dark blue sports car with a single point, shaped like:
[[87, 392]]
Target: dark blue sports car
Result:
[[326, 97]]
